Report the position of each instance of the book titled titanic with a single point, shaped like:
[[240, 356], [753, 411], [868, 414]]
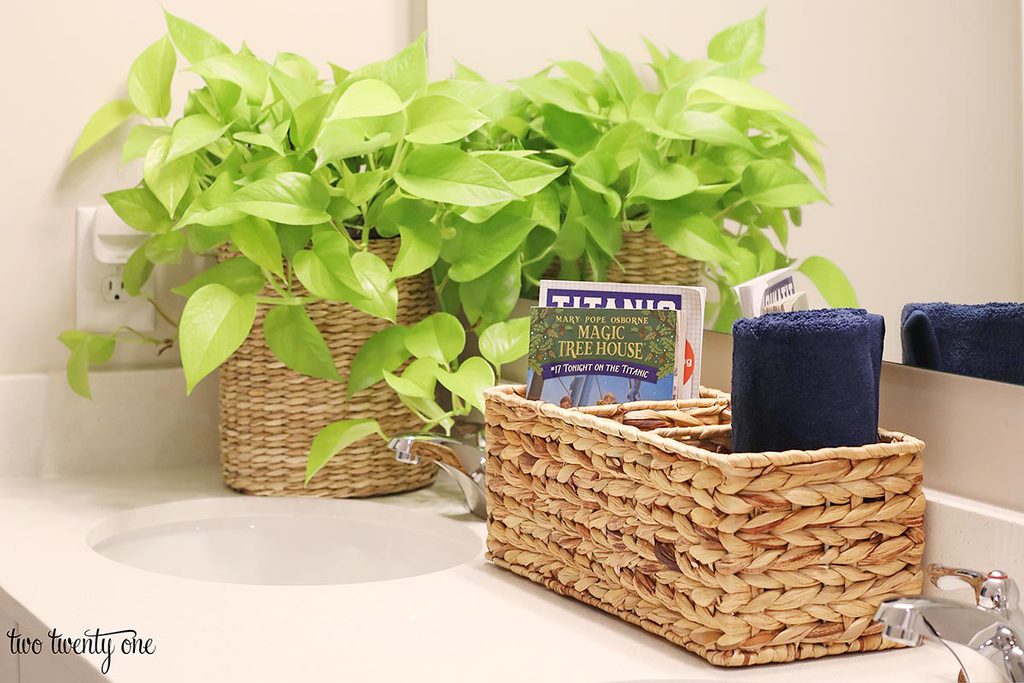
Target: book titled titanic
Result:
[[596, 356], [690, 300]]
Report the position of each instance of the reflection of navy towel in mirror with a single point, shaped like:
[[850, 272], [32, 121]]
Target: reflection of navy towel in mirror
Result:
[[806, 380], [978, 340]]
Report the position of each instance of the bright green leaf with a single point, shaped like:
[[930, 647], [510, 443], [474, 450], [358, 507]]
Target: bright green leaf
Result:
[[570, 131], [524, 176], [742, 42], [168, 181], [367, 98], [165, 248], [140, 138], [830, 281], [377, 286], [291, 198], [86, 348], [655, 181], [140, 209], [710, 128], [623, 143], [492, 296], [192, 133], [384, 351], [245, 71], [417, 381], [192, 42], [335, 438], [406, 72], [257, 240], [562, 93], [621, 72], [483, 246], [149, 79], [104, 121], [343, 138], [777, 183], [437, 119], [450, 176], [420, 247], [211, 206], [694, 236], [469, 381], [439, 336], [506, 342], [137, 271], [297, 343], [213, 325], [718, 89], [238, 274]]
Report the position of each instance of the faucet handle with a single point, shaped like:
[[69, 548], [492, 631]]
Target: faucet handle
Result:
[[952, 578], [993, 590]]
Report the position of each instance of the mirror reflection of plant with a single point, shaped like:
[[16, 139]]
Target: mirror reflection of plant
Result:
[[706, 160], [294, 176]]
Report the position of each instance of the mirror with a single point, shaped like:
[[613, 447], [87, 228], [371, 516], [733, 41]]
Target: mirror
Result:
[[918, 106]]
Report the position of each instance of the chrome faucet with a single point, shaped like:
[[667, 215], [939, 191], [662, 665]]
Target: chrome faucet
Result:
[[994, 626], [463, 461]]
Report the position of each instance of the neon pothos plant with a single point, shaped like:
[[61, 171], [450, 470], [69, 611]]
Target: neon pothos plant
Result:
[[297, 174], [706, 160]]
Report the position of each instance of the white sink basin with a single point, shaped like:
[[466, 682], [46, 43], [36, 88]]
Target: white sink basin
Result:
[[284, 541]]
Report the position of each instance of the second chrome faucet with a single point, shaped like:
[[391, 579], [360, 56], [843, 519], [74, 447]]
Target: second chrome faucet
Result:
[[994, 626]]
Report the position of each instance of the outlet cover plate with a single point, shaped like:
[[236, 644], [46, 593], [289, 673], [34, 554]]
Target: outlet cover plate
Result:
[[93, 311]]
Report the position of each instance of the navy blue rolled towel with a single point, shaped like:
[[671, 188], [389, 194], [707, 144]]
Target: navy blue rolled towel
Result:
[[978, 340], [806, 380]]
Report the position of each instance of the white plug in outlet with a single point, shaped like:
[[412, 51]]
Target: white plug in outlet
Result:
[[104, 244]]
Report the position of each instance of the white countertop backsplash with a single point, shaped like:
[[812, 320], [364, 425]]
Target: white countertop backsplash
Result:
[[136, 420]]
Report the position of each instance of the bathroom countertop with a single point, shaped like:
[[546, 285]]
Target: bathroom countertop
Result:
[[473, 622]]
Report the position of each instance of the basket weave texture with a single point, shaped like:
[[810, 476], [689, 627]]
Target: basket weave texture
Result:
[[742, 558], [270, 414], [646, 260]]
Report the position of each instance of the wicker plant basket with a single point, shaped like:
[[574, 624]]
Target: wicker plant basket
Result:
[[743, 558], [646, 260], [269, 414]]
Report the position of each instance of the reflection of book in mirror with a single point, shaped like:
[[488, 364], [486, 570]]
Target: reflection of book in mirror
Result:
[[587, 356]]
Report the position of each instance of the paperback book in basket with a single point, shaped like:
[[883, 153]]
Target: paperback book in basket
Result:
[[596, 356], [690, 300]]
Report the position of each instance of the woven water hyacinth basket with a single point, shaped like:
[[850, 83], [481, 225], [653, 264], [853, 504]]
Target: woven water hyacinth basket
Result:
[[269, 414], [744, 558], [646, 260]]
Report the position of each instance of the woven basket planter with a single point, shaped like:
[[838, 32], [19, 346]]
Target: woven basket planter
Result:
[[743, 558], [647, 260], [269, 414]]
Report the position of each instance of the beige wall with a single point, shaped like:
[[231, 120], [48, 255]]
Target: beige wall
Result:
[[918, 102], [61, 60]]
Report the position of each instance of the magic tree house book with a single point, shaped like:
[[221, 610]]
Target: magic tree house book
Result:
[[594, 356]]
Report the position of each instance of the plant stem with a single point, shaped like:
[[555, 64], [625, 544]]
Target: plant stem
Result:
[[438, 420], [344, 232], [287, 301], [140, 338], [724, 212], [160, 311]]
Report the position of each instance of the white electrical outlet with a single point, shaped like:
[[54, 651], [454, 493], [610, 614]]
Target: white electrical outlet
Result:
[[104, 243]]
